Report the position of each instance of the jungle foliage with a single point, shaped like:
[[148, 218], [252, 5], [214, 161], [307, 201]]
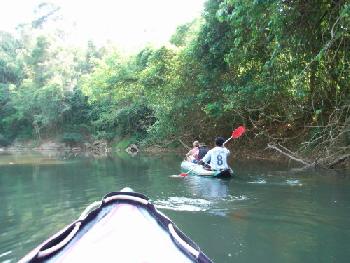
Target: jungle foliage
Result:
[[281, 67]]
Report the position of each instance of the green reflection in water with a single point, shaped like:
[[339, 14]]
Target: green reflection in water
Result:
[[267, 214]]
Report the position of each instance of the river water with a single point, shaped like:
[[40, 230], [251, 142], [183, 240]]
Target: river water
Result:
[[268, 213]]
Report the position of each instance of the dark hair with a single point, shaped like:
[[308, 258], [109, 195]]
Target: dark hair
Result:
[[219, 141]]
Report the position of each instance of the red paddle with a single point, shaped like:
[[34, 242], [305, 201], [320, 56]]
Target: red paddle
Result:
[[235, 134]]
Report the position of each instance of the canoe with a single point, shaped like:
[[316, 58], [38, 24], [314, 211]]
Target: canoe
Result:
[[123, 227], [197, 169]]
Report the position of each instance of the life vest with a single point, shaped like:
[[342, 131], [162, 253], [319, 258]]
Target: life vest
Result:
[[202, 152]]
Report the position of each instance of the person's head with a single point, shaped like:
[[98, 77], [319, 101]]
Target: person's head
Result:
[[219, 141], [196, 144]]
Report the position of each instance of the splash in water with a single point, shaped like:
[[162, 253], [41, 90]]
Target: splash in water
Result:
[[183, 204], [259, 181], [293, 182]]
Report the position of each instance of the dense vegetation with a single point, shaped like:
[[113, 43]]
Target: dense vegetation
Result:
[[282, 68]]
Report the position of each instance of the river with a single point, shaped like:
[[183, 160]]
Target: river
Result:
[[269, 213]]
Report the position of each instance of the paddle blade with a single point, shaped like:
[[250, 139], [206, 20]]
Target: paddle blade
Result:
[[238, 132], [183, 174]]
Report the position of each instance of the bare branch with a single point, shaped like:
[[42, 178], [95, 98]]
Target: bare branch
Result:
[[184, 144], [288, 154]]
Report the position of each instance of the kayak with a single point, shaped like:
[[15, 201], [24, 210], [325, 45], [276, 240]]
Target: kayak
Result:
[[124, 227], [196, 169]]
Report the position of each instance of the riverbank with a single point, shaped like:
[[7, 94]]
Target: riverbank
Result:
[[53, 147], [239, 150]]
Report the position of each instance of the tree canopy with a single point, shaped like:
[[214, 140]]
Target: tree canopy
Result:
[[282, 68]]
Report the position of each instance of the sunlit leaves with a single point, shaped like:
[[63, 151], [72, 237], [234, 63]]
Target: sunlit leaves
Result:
[[262, 62]]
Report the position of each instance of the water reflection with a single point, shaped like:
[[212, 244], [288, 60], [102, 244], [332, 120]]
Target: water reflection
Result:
[[266, 214], [206, 187]]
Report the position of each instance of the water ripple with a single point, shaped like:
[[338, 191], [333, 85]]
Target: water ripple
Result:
[[5, 253], [237, 198], [259, 181], [293, 182], [183, 204], [197, 204]]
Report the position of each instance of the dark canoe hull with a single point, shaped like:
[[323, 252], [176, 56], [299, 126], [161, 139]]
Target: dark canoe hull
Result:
[[123, 227], [225, 174], [196, 169]]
